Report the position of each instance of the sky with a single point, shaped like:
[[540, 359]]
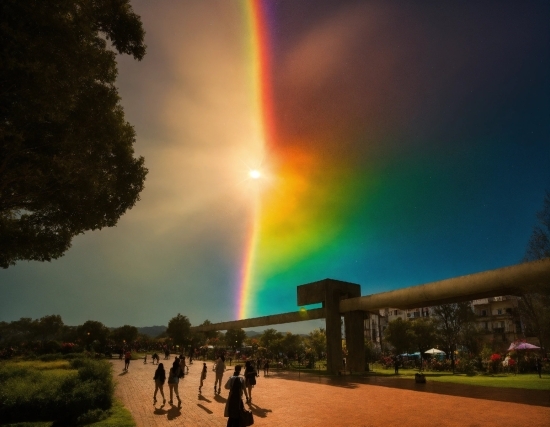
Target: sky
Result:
[[397, 144]]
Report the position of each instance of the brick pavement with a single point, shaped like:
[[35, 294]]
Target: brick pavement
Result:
[[284, 400]]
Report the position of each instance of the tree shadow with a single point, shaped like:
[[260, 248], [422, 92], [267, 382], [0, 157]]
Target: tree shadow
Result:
[[500, 394]]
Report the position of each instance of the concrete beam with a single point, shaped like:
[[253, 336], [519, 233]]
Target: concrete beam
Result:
[[503, 281], [275, 319]]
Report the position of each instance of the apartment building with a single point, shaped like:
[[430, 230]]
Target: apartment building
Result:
[[498, 317]]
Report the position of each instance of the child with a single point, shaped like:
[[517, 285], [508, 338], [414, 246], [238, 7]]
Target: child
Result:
[[203, 376]]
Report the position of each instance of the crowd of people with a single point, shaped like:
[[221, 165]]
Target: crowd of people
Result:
[[237, 384]]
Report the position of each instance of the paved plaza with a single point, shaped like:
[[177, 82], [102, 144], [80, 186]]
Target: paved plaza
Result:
[[286, 399]]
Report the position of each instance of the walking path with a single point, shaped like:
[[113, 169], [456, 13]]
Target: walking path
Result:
[[283, 399]]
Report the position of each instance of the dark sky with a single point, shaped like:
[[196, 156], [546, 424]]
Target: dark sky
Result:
[[398, 143]]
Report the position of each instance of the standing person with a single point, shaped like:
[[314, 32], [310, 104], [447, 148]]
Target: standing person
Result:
[[160, 378], [127, 358], [183, 365], [249, 379], [396, 364], [234, 405], [173, 382], [203, 376], [220, 369], [538, 365], [266, 367]]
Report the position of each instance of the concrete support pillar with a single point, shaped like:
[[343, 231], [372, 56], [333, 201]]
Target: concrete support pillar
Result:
[[355, 340], [334, 331], [330, 293]]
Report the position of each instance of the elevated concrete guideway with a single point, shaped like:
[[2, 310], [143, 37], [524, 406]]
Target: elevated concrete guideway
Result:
[[343, 298]]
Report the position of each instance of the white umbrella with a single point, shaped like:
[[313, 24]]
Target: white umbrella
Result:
[[434, 351]]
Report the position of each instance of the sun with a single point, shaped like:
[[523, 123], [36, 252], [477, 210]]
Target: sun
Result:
[[254, 174]]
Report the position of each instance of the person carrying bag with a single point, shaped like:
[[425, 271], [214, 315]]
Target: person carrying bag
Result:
[[234, 407]]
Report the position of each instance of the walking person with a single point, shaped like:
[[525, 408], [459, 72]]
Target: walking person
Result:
[[127, 358], [249, 379], [173, 382], [220, 369], [234, 405], [203, 377], [266, 367], [160, 378]]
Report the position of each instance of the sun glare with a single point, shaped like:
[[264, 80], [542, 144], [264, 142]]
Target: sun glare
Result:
[[254, 174]]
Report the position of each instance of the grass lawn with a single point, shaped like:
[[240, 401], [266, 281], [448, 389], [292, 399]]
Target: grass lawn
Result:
[[528, 381]]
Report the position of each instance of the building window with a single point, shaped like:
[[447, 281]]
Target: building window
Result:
[[499, 311], [484, 312]]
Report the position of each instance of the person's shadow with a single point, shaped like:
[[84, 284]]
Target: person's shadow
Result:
[[256, 410], [173, 413], [220, 399]]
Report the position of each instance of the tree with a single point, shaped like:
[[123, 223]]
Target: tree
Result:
[[291, 344], [534, 305], [452, 320], [125, 333], [398, 334], [235, 337], [179, 329], [66, 152], [49, 327], [92, 332], [269, 338], [317, 340], [423, 335]]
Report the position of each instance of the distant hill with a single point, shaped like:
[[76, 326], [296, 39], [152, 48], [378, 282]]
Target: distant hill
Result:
[[252, 334], [152, 331]]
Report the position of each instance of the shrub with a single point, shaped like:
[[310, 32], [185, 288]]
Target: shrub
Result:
[[69, 396]]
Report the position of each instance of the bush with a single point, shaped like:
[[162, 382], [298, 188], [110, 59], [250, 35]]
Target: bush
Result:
[[68, 396]]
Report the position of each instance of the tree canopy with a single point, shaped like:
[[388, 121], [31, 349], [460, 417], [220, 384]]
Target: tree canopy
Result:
[[534, 305], [179, 329], [235, 337], [67, 161]]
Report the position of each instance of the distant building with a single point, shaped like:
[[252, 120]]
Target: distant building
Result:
[[498, 317]]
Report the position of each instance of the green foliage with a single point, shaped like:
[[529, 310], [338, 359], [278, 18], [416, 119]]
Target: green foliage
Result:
[[399, 335], [179, 329], [235, 337], [534, 306], [93, 334], [317, 340], [423, 334], [270, 339], [124, 334], [66, 152], [30, 391], [452, 321]]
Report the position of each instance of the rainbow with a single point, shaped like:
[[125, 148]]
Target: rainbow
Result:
[[285, 232], [257, 41]]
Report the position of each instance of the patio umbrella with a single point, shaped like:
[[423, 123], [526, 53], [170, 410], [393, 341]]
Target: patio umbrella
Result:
[[522, 346], [434, 351]]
